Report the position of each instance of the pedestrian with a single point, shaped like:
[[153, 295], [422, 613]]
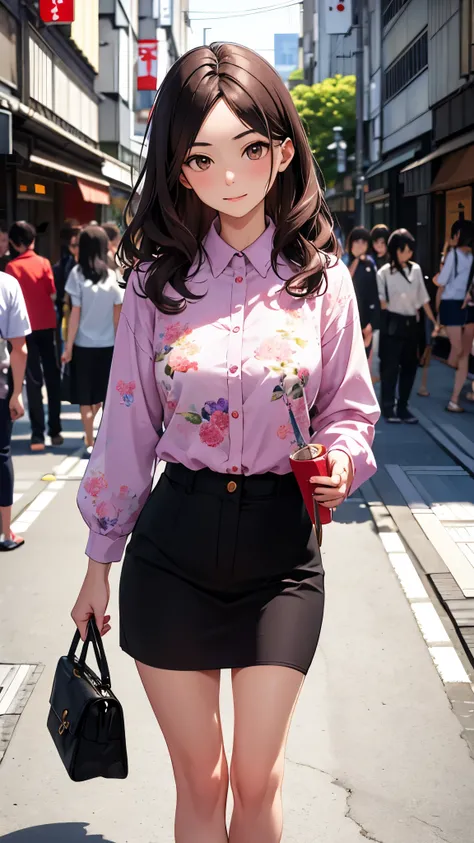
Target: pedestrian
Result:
[[362, 270], [235, 306], [61, 269], [379, 244], [14, 327], [454, 281], [4, 246], [113, 233], [402, 293], [96, 300], [35, 276]]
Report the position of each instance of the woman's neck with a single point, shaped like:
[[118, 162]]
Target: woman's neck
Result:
[[240, 232]]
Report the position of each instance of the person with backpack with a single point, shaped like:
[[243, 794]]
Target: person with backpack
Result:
[[454, 281], [36, 279], [402, 294]]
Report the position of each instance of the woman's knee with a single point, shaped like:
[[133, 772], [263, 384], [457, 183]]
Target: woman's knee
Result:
[[202, 782], [254, 785]]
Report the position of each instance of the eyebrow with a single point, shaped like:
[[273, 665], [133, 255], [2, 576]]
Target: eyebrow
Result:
[[237, 137]]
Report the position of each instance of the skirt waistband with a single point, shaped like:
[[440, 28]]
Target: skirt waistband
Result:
[[216, 483]]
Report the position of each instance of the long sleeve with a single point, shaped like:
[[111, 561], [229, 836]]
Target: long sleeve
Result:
[[120, 472], [346, 409]]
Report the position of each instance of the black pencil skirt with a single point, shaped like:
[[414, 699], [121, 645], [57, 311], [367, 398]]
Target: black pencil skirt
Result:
[[222, 572]]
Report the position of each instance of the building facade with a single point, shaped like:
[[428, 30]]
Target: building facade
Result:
[[324, 55]]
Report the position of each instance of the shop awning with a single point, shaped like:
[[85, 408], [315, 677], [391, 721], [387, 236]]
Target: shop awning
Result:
[[60, 167], [392, 161], [456, 171], [445, 149], [93, 193]]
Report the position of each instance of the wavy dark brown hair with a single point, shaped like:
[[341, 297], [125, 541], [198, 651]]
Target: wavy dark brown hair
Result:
[[166, 222]]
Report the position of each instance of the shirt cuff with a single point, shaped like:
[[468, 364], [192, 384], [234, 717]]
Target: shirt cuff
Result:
[[105, 548]]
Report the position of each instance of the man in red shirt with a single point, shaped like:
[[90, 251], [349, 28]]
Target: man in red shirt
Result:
[[35, 276]]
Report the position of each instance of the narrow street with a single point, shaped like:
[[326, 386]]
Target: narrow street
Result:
[[380, 745]]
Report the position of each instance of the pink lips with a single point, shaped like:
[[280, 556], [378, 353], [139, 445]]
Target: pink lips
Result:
[[234, 198]]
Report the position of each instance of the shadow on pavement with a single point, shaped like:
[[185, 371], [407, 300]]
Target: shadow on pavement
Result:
[[55, 833]]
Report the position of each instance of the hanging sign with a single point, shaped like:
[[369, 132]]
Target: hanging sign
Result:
[[147, 76], [338, 17], [56, 11]]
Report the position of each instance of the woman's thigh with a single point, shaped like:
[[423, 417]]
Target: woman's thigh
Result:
[[186, 705], [467, 339], [264, 700]]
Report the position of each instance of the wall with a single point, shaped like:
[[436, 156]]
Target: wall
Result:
[[85, 30], [444, 42]]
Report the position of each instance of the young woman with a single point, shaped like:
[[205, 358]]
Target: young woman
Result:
[[379, 243], [362, 270], [234, 301], [454, 281], [402, 293], [96, 300]]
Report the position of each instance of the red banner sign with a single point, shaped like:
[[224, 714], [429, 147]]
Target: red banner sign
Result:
[[56, 11], [147, 65]]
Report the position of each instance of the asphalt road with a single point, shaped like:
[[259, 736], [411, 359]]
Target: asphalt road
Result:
[[375, 749]]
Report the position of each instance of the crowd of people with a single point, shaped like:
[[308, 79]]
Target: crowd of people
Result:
[[394, 304], [57, 330]]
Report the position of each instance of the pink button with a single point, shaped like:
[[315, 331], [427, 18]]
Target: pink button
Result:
[[235, 468], [239, 279], [235, 414], [233, 369], [236, 329]]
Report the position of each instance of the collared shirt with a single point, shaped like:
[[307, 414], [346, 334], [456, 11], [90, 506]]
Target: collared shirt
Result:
[[14, 323], [402, 295], [209, 387], [36, 279]]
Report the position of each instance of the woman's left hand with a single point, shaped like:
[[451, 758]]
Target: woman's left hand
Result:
[[333, 490]]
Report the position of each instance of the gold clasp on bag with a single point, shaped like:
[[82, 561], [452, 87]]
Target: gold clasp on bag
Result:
[[64, 723]]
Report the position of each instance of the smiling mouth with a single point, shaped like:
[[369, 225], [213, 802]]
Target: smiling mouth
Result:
[[234, 198]]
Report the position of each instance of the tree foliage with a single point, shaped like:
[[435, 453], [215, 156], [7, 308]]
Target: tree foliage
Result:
[[296, 74], [323, 106]]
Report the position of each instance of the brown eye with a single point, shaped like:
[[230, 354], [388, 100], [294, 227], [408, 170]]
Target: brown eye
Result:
[[199, 163], [256, 151]]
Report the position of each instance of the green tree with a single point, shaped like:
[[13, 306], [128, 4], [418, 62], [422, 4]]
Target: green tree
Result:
[[297, 74], [323, 106]]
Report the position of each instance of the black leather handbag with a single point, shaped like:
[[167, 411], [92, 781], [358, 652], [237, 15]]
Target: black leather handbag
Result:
[[86, 719]]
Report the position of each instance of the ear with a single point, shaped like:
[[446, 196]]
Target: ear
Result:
[[287, 154], [184, 181]]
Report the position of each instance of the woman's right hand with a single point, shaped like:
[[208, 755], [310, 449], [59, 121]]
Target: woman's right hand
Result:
[[66, 356], [93, 599]]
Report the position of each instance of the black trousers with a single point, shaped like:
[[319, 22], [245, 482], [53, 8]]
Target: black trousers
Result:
[[6, 465], [43, 362], [398, 367]]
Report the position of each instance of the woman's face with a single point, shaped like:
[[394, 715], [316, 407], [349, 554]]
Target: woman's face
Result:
[[380, 247], [359, 248], [229, 166], [3, 243], [405, 255]]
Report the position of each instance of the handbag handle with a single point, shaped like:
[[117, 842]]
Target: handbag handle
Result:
[[93, 637]]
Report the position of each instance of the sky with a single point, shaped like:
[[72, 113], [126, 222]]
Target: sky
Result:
[[255, 31]]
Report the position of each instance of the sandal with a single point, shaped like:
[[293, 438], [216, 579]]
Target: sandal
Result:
[[454, 408], [11, 544]]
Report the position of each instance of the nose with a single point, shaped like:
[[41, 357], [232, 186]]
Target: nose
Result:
[[229, 177]]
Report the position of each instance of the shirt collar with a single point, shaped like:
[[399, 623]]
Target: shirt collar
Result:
[[220, 254]]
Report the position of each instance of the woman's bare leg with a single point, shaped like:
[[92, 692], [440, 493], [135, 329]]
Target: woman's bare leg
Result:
[[186, 705], [264, 700], [454, 333], [463, 364], [87, 417], [423, 390]]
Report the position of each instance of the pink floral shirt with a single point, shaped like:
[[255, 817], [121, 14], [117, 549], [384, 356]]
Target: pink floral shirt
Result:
[[207, 388]]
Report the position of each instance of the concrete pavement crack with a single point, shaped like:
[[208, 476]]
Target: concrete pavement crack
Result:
[[349, 793], [436, 828]]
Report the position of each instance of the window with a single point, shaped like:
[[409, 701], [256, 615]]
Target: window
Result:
[[466, 23], [390, 8], [8, 63], [406, 67]]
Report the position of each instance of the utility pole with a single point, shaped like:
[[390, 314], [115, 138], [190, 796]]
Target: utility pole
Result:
[[360, 156]]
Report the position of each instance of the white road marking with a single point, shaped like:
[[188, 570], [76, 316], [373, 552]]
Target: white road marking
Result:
[[36, 507], [14, 686], [430, 623], [409, 578], [448, 664]]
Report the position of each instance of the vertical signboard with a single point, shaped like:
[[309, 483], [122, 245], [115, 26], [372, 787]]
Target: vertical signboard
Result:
[[338, 17], [56, 11], [147, 75], [166, 12]]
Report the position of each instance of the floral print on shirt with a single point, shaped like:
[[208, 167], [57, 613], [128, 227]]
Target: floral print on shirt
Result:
[[177, 349], [126, 391], [110, 509], [213, 420]]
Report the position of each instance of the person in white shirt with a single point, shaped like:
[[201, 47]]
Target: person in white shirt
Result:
[[96, 300], [454, 280], [402, 294], [14, 327]]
